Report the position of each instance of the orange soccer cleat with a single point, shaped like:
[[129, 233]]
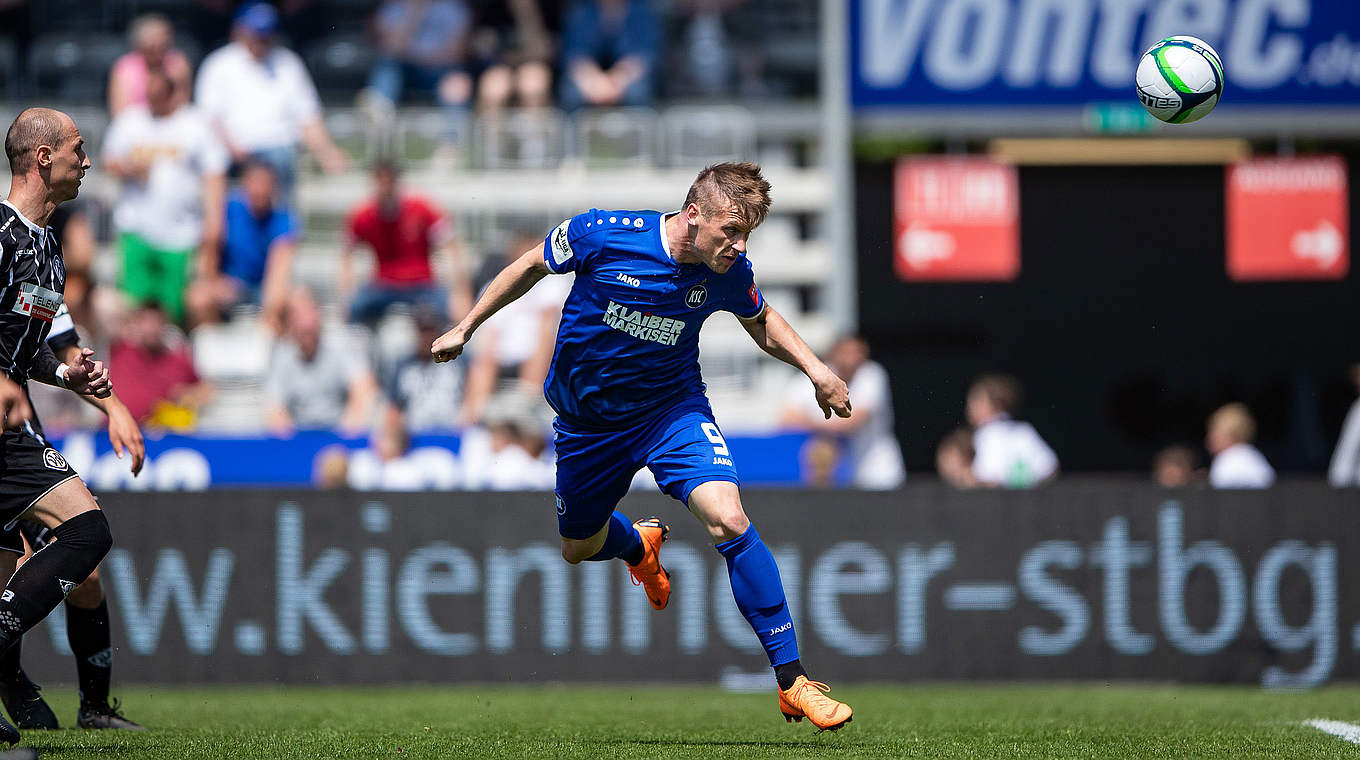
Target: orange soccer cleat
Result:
[[649, 573], [804, 699]]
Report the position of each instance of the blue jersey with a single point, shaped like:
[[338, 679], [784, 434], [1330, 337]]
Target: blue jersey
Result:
[[628, 345]]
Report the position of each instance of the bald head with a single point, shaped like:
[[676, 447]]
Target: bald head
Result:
[[34, 127]]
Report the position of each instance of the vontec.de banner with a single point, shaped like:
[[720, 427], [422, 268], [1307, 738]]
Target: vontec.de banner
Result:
[[1071, 52]]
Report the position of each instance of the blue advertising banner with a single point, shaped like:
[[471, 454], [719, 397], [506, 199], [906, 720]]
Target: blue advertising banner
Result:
[[439, 461], [1071, 52]]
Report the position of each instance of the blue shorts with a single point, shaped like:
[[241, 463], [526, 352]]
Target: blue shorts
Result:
[[682, 446]]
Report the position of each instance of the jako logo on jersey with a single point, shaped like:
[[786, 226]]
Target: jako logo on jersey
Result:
[[635, 282], [37, 302], [561, 247], [663, 330], [53, 460], [696, 296], [781, 628]]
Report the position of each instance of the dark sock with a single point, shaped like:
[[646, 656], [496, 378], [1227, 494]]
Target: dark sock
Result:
[[88, 633], [787, 673], [10, 665], [622, 540], [40, 584]]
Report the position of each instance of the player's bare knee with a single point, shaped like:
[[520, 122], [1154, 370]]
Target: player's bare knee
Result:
[[575, 552], [731, 523], [87, 595]]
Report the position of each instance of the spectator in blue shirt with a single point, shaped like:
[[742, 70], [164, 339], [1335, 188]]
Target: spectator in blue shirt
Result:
[[609, 53], [254, 265]]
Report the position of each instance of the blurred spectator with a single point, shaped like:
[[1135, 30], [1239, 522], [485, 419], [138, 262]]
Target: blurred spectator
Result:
[[330, 469], [609, 53], [163, 389], [954, 459], [1176, 467], [73, 228], [708, 59], [519, 55], [172, 169], [254, 263], [316, 381], [153, 49], [875, 456], [423, 45], [496, 458], [425, 394], [403, 231], [1236, 464], [261, 99], [390, 464], [517, 342], [819, 458], [1345, 468], [1007, 452]]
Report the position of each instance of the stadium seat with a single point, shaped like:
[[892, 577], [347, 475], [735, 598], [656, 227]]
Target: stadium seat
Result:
[[702, 135], [73, 66], [615, 138], [521, 140]]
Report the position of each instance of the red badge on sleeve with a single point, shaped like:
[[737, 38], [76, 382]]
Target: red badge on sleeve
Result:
[[755, 295]]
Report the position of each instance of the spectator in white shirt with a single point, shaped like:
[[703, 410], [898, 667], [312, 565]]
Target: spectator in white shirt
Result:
[[261, 99], [1008, 453], [169, 209], [875, 456], [316, 381], [1344, 471], [517, 342], [500, 456], [1237, 464]]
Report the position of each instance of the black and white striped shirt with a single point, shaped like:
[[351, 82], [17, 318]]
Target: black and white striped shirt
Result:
[[32, 280]]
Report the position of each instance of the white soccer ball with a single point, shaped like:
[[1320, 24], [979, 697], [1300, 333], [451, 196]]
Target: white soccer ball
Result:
[[1180, 79]]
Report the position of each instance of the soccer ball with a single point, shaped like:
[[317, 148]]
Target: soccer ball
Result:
[[1180, 79]]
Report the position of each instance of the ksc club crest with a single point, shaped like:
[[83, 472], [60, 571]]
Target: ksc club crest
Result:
[[695, 297]]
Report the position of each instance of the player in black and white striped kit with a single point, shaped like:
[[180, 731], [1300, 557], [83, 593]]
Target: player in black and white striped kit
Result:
[[87, 612], [47, 161]]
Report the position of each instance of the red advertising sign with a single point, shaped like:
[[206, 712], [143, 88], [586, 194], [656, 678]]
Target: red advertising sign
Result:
[[1287, 219], [956, 219]]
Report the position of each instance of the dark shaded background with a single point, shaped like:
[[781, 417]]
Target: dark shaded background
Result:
[[1123, 326]]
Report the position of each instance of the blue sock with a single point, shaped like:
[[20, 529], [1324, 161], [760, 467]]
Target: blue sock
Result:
[[760, 595], [622, 541]]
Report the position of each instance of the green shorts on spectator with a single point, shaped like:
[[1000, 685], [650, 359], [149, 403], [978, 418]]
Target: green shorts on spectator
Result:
[[155, 274]]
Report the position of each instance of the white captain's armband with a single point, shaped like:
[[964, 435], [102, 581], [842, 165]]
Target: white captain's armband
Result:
[[60, 375], [561, 246]]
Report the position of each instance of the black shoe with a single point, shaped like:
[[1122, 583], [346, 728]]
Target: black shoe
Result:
[[8, 734], [26, 706], [103, 716]]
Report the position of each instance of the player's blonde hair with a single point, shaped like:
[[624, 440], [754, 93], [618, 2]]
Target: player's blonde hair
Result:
[[739, 185], [1234, 421]]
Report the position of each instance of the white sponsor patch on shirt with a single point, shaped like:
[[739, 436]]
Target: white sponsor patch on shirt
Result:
[[37, 302], [663, 330], [561, 247]]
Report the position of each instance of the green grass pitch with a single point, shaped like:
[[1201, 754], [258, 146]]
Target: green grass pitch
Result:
[[926, 721]]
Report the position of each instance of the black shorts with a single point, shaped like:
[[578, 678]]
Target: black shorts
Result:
[[29, 468]]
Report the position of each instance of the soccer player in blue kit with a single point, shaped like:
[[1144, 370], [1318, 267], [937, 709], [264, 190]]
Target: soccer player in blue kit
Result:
[[626, 387]]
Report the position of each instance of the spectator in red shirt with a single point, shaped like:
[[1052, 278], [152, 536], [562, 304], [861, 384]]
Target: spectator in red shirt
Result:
[[161, 386], [403, 231]]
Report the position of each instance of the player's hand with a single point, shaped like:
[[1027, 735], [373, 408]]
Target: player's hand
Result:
[[89, 378], [449, 346], [832, 394], [126, 437], [14, 404]]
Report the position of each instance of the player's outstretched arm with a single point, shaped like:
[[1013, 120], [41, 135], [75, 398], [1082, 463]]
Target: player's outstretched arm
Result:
[[776, 337], [513, 282]]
